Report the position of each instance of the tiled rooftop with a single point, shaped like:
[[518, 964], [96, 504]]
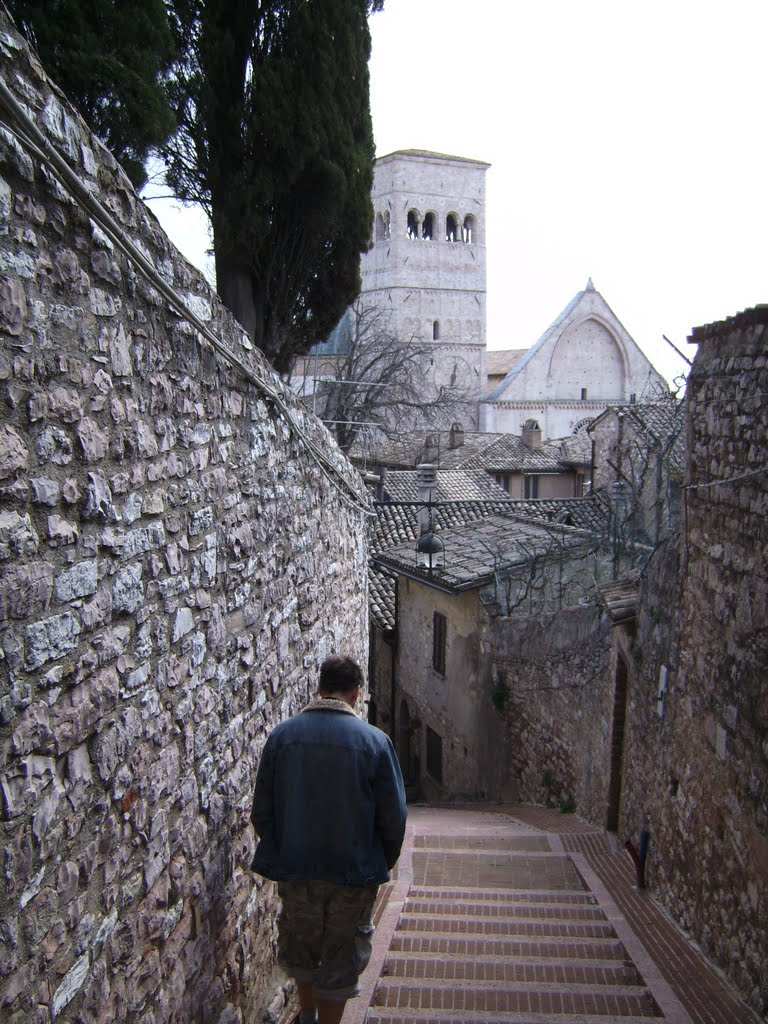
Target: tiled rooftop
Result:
[[464, 498], [576, 450], [502, 361], [475, 551], [494, 453], [452, 485], [661, 423], [506, 453]]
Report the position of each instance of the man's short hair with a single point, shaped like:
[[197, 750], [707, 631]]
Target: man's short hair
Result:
[[339, 674]]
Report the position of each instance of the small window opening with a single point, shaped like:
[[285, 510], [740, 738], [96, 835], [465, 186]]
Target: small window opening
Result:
[[583, 394], [531, 487], [413, 224], [436, 331], [381, 231], [428, 227], [451, 228], [468, 233]]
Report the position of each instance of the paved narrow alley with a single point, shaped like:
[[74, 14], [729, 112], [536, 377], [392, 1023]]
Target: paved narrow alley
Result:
[[522, 914]]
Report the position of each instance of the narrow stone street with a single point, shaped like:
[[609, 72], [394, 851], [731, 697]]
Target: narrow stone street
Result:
[[521, 914]]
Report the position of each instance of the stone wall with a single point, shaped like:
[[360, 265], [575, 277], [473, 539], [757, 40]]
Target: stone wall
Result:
[[180, 545], [549, 677], [697, 760]]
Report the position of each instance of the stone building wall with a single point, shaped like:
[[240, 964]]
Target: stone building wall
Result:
[[698, 759], [549, 676], [180, 545], [452, 709]]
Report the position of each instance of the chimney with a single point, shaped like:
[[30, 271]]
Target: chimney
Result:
[[457, 436], [426, 482], [532, 435]]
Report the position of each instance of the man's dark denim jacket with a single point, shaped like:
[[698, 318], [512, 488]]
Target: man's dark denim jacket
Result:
[[329, 801]]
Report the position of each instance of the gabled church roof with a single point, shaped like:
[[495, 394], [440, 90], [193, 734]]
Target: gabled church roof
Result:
[[521, 363], [557, 327]]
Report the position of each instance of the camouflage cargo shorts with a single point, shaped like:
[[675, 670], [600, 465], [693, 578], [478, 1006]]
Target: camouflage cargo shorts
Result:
[[325, 933]]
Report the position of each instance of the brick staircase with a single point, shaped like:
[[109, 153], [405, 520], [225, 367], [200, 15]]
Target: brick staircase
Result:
[[501, 928]]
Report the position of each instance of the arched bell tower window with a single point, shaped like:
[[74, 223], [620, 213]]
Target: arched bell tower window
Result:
[[436, 331], [381, 231], [468, 232], [428, 227], [451, 227], [413, 224]]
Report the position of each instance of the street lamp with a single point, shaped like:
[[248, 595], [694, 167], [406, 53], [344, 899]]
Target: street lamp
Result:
[[429, 548], [430, 551]]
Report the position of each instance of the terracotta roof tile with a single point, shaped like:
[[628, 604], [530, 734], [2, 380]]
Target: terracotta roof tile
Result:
[[396, 525]]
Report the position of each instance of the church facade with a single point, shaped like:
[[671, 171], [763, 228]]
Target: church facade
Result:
[[583, 363]]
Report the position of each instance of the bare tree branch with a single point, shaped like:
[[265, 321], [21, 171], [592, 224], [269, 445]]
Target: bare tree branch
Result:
[[380, 381]]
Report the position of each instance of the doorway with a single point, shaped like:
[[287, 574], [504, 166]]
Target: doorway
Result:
[[617, 745]]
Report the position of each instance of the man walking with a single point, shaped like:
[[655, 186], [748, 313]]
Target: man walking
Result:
[[329, 810]]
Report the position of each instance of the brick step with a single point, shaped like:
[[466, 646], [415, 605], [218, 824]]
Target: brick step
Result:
[[505, 855], [472, 947], [529, 971], [395, 1015], [561, 897], [484, 844], [626, 1002], [517, 909], [520, 928]]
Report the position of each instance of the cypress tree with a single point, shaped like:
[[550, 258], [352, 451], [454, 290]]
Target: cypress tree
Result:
[[276, 142], [111, 58]]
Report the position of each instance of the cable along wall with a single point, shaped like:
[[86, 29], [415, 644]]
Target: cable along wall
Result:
[[180, 544]]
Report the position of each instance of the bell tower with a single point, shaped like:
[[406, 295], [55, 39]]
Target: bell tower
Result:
[[427, 263]]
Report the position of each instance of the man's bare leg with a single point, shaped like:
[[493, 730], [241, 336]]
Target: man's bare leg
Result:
[[330, 1011]]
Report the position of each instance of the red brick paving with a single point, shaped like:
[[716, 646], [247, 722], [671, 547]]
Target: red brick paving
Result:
[[481, 923]]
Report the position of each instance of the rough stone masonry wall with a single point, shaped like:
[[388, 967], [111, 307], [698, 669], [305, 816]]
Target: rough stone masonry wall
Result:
[[173, 566], [696, 766], [551, 679]]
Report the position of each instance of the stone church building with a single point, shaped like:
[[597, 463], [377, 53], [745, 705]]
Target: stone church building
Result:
[[427, 268], [584, 362]]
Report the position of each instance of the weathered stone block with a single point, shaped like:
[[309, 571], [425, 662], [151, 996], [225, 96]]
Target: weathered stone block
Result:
[[84, 707], [13, 306], [25, 590], [45, 491], [128, 589], [50, 639], [14, 454], [79, 581], [17, 535], [93, 440], [71, 984], [55, 446], [98, 498]]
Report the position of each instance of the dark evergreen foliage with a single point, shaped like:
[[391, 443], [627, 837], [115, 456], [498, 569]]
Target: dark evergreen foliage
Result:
[[111, 58], [276, 142]]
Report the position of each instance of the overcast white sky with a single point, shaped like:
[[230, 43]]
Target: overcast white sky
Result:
[[628, 144]]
